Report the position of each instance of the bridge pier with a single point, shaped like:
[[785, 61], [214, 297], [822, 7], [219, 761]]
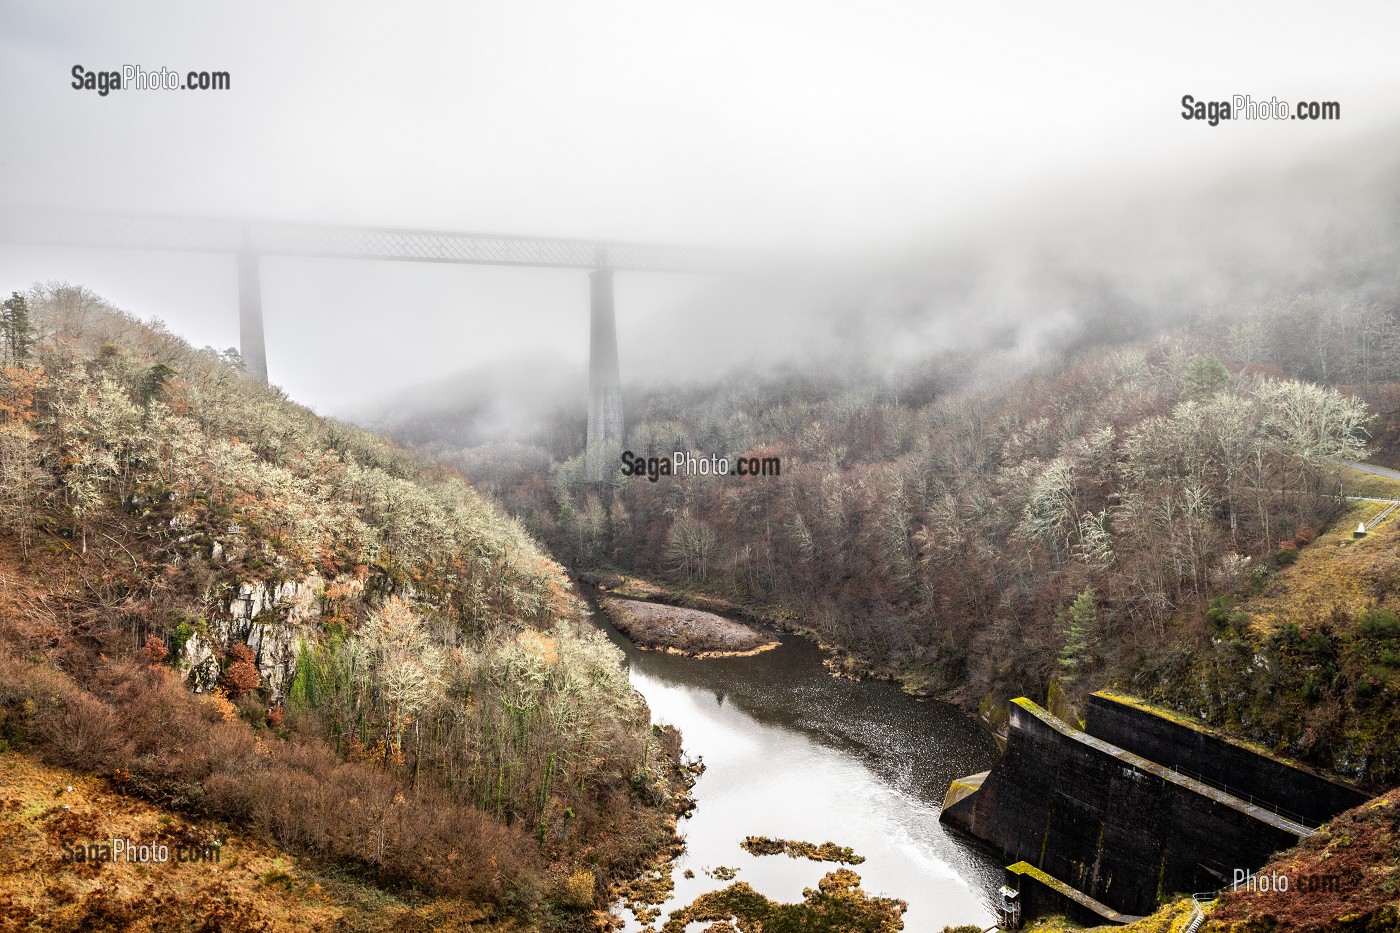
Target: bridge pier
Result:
[[251, 344], [604, 380]]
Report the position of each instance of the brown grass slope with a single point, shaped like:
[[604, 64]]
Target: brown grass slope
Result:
[[46, 811]]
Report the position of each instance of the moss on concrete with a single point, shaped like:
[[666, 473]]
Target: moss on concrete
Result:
[[1027, 870], [960, 788], [1187, 722]]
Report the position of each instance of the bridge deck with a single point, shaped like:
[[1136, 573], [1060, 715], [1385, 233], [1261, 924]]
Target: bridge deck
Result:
[[274, 238]]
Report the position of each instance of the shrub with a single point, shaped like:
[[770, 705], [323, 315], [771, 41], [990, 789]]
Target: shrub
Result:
[[579, 889], [1219, 612], [1320, 644], [298, 792], [155, 650], [1380, 624], [252, 710], [241, 676], [1223, 617], [31, 695], [181, 633], [85, 736], [302, 795]]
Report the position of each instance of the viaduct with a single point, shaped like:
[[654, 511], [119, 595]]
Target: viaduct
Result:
[[247, 241]]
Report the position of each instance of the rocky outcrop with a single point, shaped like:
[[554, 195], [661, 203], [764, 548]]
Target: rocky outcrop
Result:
[[199, 662], [270, 618]]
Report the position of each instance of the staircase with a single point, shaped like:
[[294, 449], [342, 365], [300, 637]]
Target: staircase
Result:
[[1198, 916]]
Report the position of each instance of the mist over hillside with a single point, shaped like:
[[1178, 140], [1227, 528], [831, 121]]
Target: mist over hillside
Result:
[[1134, 407], [504, 400], [978, 301]]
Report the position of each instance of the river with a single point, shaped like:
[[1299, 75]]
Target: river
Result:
[[794, 753]]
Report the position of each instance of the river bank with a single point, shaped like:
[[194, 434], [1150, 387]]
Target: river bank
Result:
[[792, 753], [837, 660]]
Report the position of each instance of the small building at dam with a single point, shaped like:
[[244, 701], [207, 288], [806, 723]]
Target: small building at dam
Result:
[[1103, 823]]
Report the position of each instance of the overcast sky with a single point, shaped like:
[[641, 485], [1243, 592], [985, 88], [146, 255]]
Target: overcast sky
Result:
[[787, 124]]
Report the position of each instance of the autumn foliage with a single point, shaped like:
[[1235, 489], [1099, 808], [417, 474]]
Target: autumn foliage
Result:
[[241, 675], [154, 649], [429, 715], [938, 530]]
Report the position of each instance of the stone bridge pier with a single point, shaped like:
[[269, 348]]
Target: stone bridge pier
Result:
[[251, 344], [604, 380]]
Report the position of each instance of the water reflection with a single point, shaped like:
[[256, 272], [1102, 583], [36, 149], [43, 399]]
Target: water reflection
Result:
[[794, 753]]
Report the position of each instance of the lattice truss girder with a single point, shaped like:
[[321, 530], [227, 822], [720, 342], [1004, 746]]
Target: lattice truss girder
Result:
[[268, 238]]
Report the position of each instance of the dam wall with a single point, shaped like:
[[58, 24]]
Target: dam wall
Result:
[[1290, 791], [1111, 824]]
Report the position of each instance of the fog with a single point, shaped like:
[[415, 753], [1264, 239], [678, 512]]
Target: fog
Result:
[[996, 178]]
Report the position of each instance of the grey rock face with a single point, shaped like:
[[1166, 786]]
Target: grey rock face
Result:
[[271, 619]]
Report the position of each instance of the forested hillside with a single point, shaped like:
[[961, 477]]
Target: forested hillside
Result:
[[230, 606], [1093, 522]]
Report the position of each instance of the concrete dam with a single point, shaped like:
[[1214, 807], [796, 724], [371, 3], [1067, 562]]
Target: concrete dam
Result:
[[1101, 824]]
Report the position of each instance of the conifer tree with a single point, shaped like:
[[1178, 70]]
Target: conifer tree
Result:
[[1079, 625], [16, 328]]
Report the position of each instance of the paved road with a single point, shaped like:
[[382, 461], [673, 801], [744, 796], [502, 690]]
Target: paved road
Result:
[[1374, 470]]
